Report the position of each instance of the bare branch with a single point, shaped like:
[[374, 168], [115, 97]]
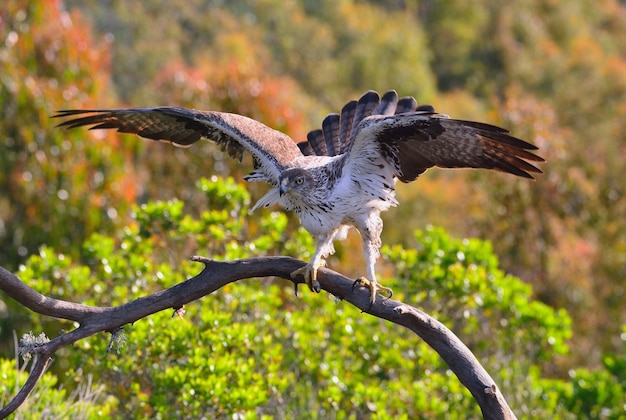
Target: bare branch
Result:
[[217, 274], [40, 363]]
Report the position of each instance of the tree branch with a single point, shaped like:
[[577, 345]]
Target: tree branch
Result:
[[217, 274]]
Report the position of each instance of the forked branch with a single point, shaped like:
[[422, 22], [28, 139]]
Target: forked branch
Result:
[[217, 274]]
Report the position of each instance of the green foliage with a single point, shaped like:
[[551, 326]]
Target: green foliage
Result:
[[599, 393], [50, 399], [254, 349], [459, 282], [444, 274]]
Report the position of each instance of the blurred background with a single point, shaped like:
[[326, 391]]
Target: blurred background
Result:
[[553, 73]]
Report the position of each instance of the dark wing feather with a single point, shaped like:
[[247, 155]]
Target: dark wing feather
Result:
[[305, 147], [338, 131], [345, 122], [271, 149], [331, 129], [364, 108], [317, 143], [407, 104], [414, 142], [388, 104]]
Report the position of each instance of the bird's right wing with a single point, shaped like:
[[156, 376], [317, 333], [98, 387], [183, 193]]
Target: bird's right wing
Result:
[[272, 150]]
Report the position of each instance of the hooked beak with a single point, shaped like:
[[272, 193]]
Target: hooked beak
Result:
[[282, 188]]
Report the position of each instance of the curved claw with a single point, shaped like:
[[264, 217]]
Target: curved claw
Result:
[[374, 288], [309, 272]]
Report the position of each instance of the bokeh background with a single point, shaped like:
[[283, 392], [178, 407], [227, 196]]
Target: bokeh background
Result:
[[552, 72]]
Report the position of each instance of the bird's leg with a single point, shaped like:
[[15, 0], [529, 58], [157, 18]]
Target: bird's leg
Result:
[[309, 271], [370, 282], [370, 231]]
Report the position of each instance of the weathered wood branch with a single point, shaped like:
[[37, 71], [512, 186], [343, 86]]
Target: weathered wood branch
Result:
[[217, 274]]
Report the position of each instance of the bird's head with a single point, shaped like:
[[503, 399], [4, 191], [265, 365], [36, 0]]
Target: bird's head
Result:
[[295, 183]]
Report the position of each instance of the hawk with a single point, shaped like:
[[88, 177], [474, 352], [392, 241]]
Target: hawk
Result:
[[344, 174]]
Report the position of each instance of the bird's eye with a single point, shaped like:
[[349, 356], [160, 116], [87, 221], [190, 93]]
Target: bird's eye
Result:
[[299, 181]]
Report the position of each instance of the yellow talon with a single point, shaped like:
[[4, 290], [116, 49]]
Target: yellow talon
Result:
[[309, 272], [374, 288]]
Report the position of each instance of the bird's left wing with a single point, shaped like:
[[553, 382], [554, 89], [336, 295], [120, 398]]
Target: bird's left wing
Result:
[[415, 141], [272, 150], [337, 132]]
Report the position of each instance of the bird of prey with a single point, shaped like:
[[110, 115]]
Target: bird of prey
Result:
[[345, 173]]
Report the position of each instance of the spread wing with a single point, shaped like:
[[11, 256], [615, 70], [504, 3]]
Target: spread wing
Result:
[[415, 141], [414, 138], [272, 150], [338, 130]]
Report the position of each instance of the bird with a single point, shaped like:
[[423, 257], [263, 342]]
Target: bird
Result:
[[343, 175]]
